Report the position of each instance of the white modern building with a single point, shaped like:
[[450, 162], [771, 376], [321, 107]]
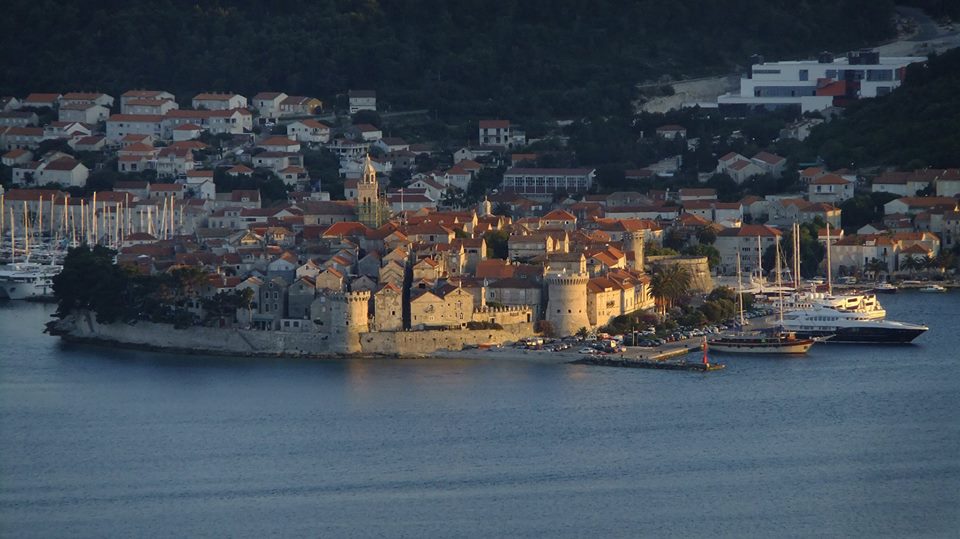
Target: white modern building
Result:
[[820, 83], [546, 181], [362, 100]]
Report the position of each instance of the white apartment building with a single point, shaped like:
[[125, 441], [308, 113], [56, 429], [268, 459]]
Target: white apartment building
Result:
[[362, 100], [309, 131], [819, 83], [212, 101], [546, 181], [121, 125], [500, 133]]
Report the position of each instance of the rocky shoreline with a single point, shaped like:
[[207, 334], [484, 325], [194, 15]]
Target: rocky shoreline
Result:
[[82, 328]]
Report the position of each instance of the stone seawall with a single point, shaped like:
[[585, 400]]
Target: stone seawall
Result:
[[410, 343], [245, 342]]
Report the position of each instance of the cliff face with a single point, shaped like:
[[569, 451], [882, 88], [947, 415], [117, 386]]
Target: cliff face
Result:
[[83, 327]]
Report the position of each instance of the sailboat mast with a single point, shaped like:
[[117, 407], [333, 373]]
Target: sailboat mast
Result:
[[740, 289], [117, 228], [760, 263], [26, 230], [83, 222], [829, 280], [40, 220], [13, 238], [93, 218], [779, 285], [796, 257]]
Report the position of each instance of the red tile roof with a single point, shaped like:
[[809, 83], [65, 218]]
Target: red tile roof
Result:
[[494, 124]]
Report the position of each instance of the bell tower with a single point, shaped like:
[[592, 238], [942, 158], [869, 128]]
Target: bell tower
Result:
[[371, 209]]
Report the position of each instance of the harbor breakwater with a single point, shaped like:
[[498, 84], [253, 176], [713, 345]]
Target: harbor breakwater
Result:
[[83, 327]]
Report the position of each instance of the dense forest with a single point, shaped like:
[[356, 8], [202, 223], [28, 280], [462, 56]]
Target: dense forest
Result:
[[510, 58], [916, 126]]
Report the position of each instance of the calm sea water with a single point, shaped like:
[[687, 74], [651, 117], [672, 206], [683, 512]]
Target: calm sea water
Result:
[[852, 441]]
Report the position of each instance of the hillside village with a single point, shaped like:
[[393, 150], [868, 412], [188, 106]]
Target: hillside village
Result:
[[544, 246]]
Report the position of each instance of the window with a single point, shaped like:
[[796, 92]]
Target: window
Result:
[[804, 74]]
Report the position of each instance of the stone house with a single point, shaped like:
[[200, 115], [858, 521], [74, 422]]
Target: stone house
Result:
[[300, 296], [388, 308], [830, 188], [310, 131], [267, 104]]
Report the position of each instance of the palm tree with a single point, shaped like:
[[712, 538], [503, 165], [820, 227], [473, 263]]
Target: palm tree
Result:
[[945, 260], [668, 284], [876, 267], [908, 264]]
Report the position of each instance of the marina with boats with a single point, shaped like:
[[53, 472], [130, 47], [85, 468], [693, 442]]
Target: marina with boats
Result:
[[34, 243], [811, 315]]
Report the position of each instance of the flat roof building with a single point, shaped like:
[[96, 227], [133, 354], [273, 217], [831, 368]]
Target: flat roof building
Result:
[[819, 83]]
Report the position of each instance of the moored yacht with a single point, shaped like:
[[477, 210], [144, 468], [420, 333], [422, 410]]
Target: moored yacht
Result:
[[28, 280], [849, 327], [935, 288], [863, 303], [771, 341], [885, 288], [760, 342]]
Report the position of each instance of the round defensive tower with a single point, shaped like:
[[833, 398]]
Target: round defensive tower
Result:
[[349, 317], [633, 243], [567, 302]]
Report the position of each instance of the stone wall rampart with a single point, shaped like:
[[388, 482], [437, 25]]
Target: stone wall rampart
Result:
[[248, 342], [412, 343]]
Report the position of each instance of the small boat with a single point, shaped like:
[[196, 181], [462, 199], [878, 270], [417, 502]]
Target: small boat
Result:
[[885, 288], [775, 342], [772, 341], [934, 288]]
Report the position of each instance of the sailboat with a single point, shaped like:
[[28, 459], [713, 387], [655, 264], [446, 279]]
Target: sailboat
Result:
[[26, 280], [775, 341], [862, 303]]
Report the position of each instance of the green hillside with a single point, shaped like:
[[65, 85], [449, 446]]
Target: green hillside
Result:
[[917, 125], [517, 58]]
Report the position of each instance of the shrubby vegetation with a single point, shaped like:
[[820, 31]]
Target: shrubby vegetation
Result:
[[720, 305], [90, 281], [863, 209], [483, 325], [916, 126], [511, 58]]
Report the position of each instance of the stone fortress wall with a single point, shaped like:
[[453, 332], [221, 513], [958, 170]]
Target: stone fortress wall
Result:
[[700, 282], [248, 342]]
